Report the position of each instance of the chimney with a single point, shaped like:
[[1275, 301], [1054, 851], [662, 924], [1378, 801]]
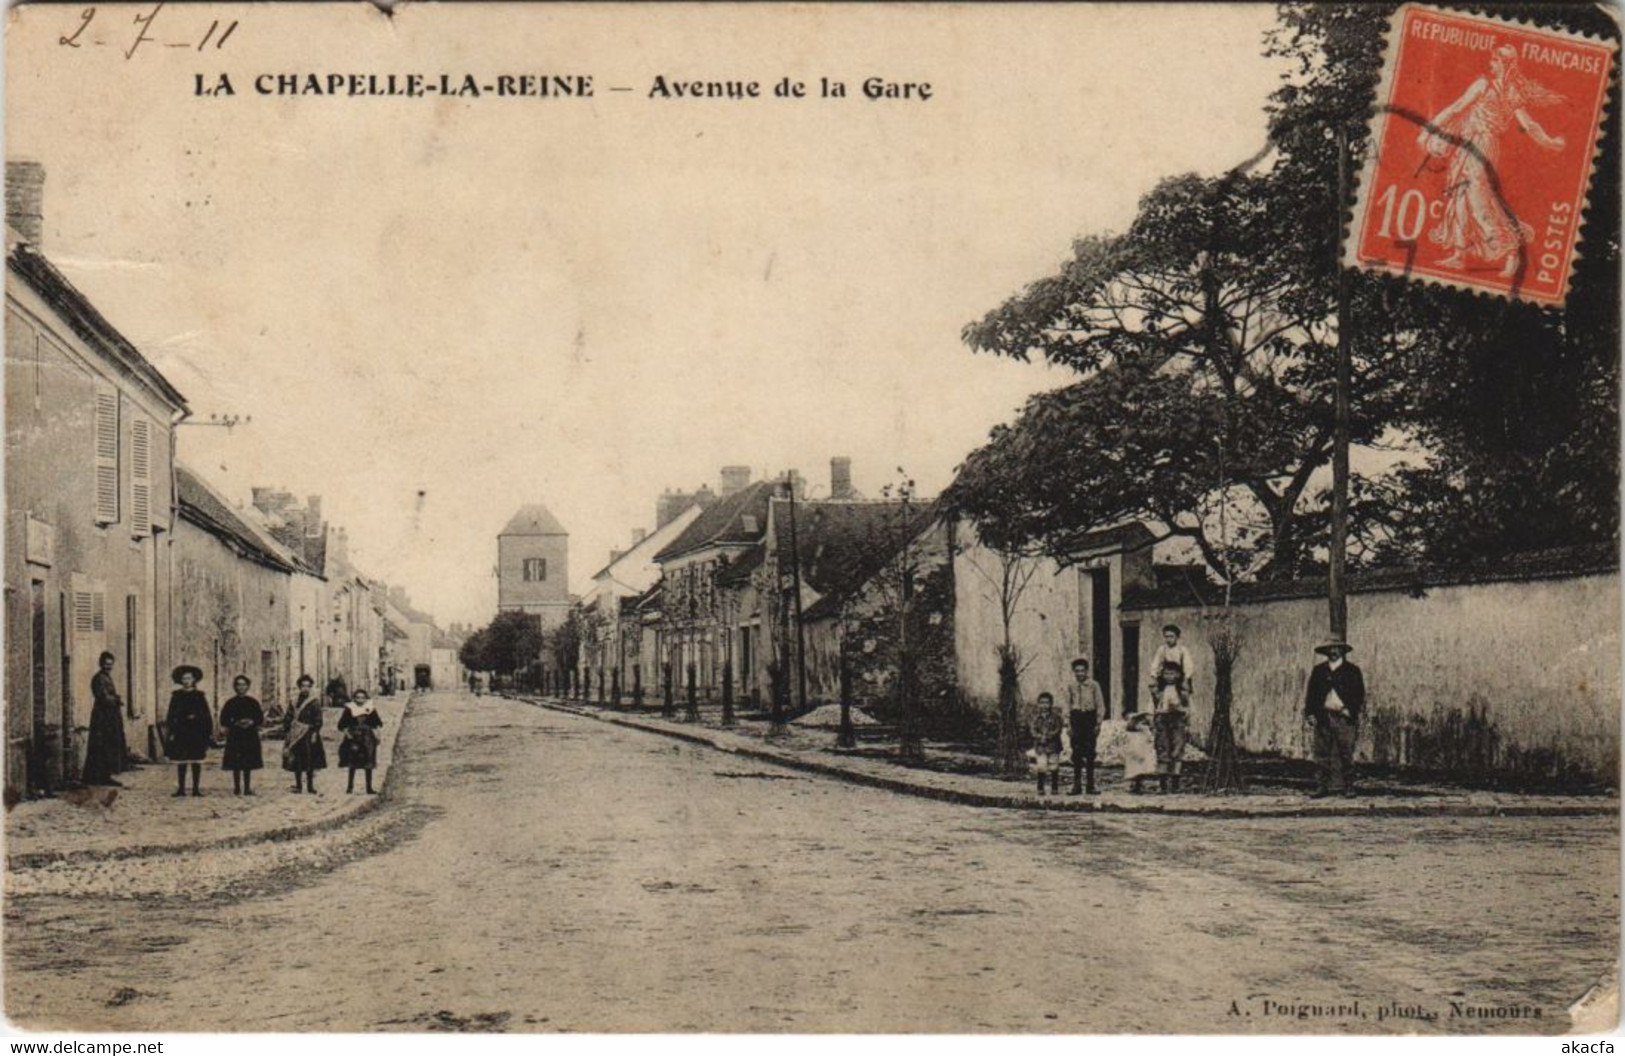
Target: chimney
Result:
[[338, 548], [25, 198], [616, 555], [638, 536], [313, 521], [840, 477], [734, 479], [798, 484]]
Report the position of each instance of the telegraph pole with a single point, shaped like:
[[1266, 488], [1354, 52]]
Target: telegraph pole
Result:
[[795, 571], [1337, 585]]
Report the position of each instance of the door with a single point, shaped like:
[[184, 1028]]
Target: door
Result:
[[132, 652], [1131, 668], [268, 679], [1100, 630], [39, 747]]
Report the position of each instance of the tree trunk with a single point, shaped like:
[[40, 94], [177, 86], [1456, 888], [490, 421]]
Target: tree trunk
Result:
[[691, 706], [667, 707], [776, 688], [727, 692], [847, 737], [1009, 759], [911, 739], [1223, 773]]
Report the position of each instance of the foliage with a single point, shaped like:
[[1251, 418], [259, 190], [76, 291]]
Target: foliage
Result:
[[1205, 337], [511, 642]]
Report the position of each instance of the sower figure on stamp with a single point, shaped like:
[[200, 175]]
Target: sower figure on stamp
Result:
[[1172, 670], [1047, 743], [1477, 224], [1334, 702], [104, 754], [1085, 704]]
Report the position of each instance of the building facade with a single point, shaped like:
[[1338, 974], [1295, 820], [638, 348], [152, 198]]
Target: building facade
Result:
[[533, 566], [89, 501]]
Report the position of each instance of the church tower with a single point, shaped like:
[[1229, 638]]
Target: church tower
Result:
[[533, 566]]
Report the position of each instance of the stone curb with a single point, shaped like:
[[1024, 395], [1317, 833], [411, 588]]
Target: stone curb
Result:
[[362, 807], [1219, 808]]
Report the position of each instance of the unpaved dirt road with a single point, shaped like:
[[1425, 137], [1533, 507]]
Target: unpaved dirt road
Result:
[[536, 871]]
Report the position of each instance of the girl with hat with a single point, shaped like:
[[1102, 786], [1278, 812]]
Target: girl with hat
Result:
[[302, 751], [359, 749], [242, 717], [189, 724]]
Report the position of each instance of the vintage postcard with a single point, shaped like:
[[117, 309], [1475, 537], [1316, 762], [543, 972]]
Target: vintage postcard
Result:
[[812, 518]]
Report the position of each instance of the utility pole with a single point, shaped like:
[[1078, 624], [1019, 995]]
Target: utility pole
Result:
[[795, 571], [1337, 586]]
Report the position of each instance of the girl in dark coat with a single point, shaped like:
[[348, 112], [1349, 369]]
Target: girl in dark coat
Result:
[[104, 755], [359, 750], [190, 725], [302, 751], [242, 717]]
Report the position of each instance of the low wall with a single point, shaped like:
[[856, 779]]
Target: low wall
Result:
[[1518, 678]]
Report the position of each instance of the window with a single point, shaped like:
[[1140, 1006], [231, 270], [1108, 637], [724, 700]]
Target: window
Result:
[[140, 477], [535, 569], [107, 475]]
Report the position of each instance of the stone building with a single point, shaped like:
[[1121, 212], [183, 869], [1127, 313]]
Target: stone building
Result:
[[233, 595], [89, 492], [533, 566]]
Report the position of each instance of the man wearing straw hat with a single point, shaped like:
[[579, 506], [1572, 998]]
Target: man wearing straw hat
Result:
[[1334, 702]]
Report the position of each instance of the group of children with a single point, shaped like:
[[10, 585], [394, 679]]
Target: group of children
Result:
[[1154, 745], [189, 734]]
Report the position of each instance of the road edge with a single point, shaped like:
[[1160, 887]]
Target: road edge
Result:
[[1218, 809], [351, 812]]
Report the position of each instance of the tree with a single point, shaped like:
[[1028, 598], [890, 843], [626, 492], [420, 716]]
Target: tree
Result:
[[889, 613], [1214, 315], [1006, 582], [1195, 335], [475, 653]]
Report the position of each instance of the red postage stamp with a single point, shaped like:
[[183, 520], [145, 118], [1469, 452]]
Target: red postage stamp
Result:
[[1482, 149]]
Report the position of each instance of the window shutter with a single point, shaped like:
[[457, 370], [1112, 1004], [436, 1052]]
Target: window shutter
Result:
[[107, 482], [141, 477], [82, 617], [98, 612]]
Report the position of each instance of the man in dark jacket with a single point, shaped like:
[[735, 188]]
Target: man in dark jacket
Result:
[[1334, 703]]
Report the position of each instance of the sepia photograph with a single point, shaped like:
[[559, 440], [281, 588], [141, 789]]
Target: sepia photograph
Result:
[[812, 518]]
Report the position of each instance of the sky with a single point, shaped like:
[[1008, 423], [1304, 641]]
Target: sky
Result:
[[438, 310]]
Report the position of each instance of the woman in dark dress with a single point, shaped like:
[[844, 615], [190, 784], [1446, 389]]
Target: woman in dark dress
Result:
[[242, 717], [359, 749], [104, 755], [190, 726], [302, 751]]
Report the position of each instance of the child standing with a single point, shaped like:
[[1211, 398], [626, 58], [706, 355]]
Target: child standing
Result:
[[1047, 743]]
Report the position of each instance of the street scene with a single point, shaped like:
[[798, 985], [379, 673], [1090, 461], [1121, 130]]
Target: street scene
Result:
[[712, 893], [697, 551]]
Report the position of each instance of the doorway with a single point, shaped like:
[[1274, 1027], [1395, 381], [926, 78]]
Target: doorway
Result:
[[1100, 631], [1131, 668], [40, 744]]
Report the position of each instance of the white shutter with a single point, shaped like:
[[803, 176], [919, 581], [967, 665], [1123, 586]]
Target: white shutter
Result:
[[83, 617], [107, 476], [140, 477]]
